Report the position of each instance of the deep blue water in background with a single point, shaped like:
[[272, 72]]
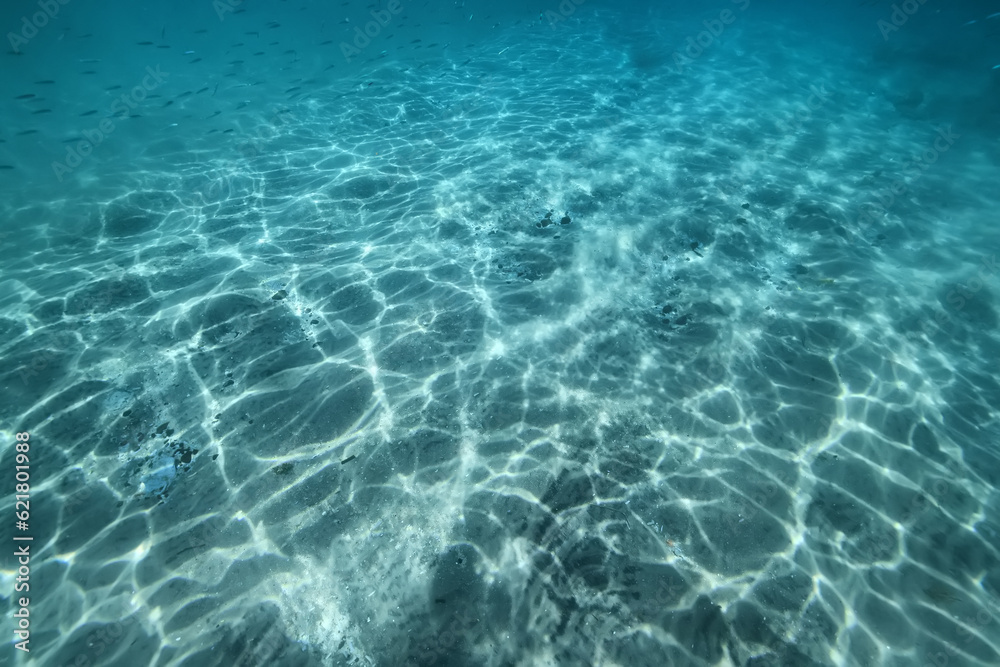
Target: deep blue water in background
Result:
[[517, 333]]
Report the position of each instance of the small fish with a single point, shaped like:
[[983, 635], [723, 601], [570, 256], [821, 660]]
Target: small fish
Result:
[[6, 166], [200, 91], [26, 96], [196, 60], [200, 32], [89, 113], [35, 113], [349, 459], [109, 88], [188, 53], [25, 133], [144, 43]]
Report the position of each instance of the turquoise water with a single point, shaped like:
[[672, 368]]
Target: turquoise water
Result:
[[535, 334]]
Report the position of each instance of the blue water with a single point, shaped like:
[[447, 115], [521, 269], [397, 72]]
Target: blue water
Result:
[[507, 334]]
